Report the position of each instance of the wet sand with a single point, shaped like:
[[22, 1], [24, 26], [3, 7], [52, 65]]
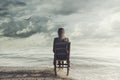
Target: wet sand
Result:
[[27, 73]]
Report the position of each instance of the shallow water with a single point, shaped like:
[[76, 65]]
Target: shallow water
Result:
[[87, 63]]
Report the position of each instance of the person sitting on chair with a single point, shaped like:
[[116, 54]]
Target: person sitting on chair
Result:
[[60, 39]]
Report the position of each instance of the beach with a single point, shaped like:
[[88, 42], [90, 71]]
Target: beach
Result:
[[30, 73]]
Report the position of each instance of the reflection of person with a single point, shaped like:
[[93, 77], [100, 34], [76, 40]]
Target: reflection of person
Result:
[[61, 38]]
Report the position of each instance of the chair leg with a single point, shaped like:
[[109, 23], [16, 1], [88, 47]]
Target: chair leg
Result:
[[62, 64], [55, 69], [67, 71], [59, 63], [68, 68]]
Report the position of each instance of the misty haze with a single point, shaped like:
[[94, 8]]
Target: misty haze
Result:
[[28, 27]]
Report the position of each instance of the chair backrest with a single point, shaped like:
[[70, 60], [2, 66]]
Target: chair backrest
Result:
[[62, 48]]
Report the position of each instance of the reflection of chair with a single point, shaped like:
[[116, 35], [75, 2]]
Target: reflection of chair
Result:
[[62, 56]]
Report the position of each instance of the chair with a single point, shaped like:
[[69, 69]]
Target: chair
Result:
[[62, 56]]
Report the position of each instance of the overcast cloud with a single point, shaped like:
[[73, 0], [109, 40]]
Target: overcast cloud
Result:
[[82, 19]]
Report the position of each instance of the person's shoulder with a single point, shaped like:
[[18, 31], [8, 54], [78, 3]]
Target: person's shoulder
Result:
[[66, 39]]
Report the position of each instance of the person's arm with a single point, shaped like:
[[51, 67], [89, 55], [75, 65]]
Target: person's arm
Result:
[[67, 40]]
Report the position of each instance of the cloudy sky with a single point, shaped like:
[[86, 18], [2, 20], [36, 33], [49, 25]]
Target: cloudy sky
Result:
[[40, 19]]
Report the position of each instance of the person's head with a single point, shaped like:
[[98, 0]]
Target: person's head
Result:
[[61, 32]]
